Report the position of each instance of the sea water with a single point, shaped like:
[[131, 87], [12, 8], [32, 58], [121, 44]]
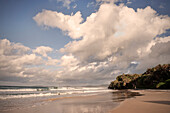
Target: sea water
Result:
[[17, 97], [51, 99]]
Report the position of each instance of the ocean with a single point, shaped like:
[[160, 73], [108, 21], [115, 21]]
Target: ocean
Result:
[[18, 97], [52, 99]]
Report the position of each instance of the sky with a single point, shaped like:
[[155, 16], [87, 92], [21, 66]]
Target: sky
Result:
[[81, 42]]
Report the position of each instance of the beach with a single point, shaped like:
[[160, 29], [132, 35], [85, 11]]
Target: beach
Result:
[[152, 101], [116, 101], [96, 100], [34, 99], [80, 104]]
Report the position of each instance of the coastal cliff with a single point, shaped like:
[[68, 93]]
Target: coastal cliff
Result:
[[154, 78]]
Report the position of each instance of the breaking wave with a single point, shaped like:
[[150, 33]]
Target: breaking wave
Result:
[[12, 92]]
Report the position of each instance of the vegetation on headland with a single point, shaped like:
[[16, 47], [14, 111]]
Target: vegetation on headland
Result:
[[154, 78]]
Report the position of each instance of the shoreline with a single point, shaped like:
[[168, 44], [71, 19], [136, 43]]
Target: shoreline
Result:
[[100, 103], [151, 101], [120, 101]]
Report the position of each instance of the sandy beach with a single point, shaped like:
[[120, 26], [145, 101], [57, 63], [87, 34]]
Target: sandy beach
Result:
[[122, 101], [101, 103], [152, 101]]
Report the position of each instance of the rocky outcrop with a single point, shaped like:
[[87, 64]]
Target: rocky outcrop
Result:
[[157, 77]]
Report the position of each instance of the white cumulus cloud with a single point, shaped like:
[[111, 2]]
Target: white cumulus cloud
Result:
[[116, 39], [43, 50], [68, 23], [18, 64]]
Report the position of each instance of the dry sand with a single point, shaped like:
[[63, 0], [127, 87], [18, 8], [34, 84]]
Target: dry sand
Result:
[[153, 101]]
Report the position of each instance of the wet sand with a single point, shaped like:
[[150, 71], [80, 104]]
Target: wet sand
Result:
[[122, 101], [153, 101], [101, 103]]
